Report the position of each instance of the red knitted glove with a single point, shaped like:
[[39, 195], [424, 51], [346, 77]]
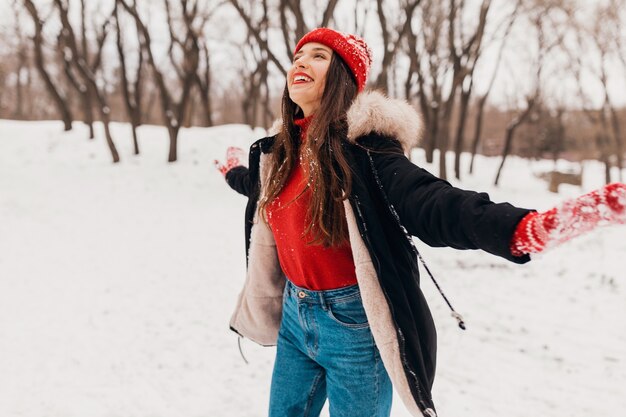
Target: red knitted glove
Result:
[[234, 156], [538, 231]]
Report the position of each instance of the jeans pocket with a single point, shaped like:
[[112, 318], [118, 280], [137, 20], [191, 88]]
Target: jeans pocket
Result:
[[349, 312]]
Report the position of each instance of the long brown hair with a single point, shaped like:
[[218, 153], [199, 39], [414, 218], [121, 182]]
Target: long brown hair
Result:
[[329, 175]]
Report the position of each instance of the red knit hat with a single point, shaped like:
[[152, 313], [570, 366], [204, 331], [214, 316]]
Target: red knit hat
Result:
[[351, 48]]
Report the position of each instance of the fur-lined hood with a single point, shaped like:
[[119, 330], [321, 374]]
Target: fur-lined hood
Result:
[[372, 111]]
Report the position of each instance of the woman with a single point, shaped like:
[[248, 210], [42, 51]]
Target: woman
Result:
[[332, 276]]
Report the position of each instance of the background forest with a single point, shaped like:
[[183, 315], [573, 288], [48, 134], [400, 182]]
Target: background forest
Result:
[[537, 78]]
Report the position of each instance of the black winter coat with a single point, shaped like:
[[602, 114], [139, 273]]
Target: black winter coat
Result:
[[393, 199]]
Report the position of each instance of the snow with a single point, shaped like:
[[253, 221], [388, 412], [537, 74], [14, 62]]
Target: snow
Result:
[[117, 282]]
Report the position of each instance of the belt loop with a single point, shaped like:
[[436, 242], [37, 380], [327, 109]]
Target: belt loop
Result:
[[323, 301]]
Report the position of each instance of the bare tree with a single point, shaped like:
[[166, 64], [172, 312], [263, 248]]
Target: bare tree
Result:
[[131, 90], [22, 70], [521, 117], [482, 99], [294, 25], [465, 58], [88, 76], [558, 133], [203, 83], [291, 35], [3, 88], [255, 78], [291, 10], [540, 16], [64, 58], [443, 55], [256, 32], [606, 27], [77, 81], [173, 111], [391, 46], [256, 75], [590, 54], [361, 13], [86, 93], [58, 97], [616, 9], [596, 117], [429, 66]]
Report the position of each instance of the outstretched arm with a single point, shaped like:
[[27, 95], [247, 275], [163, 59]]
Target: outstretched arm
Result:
[[235, 173], [540, 231], [442, 215]]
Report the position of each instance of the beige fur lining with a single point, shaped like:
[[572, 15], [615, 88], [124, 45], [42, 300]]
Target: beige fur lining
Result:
[[259, 307], [379, 314], [372, 111]]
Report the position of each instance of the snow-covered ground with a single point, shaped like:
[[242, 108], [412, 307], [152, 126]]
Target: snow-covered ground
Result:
[[117, 283]]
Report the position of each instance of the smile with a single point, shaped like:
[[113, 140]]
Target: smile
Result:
[[301, 78]]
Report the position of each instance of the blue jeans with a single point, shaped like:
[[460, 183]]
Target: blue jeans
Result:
[[326, 350]]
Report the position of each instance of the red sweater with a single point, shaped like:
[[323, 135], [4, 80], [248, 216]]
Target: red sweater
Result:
[[309, 266]]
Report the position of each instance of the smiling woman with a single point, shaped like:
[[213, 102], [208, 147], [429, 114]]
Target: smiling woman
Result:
[[307, 76], [333, 278]]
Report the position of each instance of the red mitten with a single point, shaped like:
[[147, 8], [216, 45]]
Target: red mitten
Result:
[[234, 156], [538, 231]]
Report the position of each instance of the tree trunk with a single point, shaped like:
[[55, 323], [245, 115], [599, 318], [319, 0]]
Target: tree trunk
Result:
[[19, 105], [58, 99], [432, 129], [21, 68], [557, 146], [134, 126], [510, 132], [477, 129], [88, 99], [460, 130], [602, 141], [80, 88], [618, 148], [104, 114], [204, 88], [173, 150], [443, 139]]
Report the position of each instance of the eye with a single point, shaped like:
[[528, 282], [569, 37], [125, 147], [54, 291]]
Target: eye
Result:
[[320, 56]]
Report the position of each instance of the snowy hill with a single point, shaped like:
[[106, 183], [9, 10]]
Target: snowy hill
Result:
[[117, 283]]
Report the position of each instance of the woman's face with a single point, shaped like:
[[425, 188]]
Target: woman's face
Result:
[[307, 76]]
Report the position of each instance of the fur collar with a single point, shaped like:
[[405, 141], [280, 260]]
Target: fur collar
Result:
[[373, 112]]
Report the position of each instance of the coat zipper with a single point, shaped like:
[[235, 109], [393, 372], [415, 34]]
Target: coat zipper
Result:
[[428, 411]]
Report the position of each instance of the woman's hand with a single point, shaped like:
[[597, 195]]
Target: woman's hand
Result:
[[539, 231], [234, 156]]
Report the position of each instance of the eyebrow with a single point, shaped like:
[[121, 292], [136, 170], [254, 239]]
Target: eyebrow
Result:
[[317, 48]]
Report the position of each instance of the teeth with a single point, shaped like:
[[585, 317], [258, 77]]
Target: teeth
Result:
[[302, 78]]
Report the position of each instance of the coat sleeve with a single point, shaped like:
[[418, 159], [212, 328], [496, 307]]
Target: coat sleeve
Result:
[[239, 180], [442, 215]]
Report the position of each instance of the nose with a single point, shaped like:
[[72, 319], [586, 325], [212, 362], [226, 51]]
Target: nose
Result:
[[300, 62]]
